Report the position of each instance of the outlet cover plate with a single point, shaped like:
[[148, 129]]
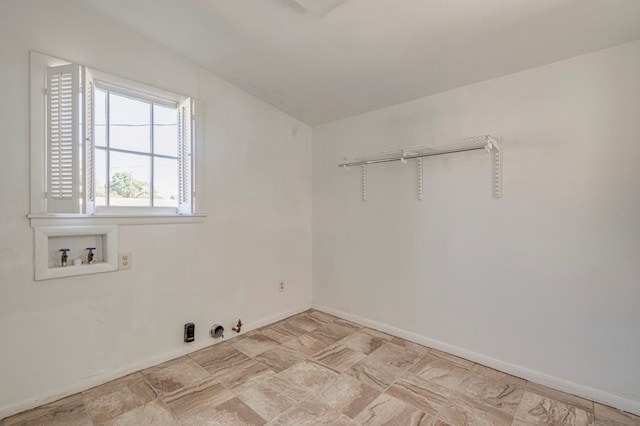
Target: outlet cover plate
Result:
[[125, 260]]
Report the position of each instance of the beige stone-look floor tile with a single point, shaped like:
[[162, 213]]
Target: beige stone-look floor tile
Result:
[[266, 399], [536, 409], [460, 362], [286, 328], [304, 321], [311, 413], [108, 401], [410, 346], [439, 371], [154, 413], [218, 357], [362, 342], [243, 374], [383, 366], [66, 411], [327, 338], [609, 416], [378, 334], [280, 358], [254, 343], [278, 334], [338, 357], [308, 344], [347, 395], [497, 393], [303, 380], [348, 324], [498, 375], [333, 332], [387, 410], [238, 409], [373, 375], [424, 395], [461, 411], [567, 398], [599, 421], [175, 374], [233, 412], [321, 316], [226, 371], [189, 401]]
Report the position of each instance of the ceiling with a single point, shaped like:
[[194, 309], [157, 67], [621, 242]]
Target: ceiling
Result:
[[368, 54]]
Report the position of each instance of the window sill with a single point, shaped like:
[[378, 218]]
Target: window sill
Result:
[[38, 220]]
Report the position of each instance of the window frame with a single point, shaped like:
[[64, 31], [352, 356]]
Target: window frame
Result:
[[110, 88], [38, 214]]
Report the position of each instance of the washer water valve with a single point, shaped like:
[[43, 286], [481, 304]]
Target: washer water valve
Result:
[[90, 255], [238, 326], [64, 256]]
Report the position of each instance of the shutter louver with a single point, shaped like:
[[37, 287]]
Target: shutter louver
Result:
[[185, 135], [89, 183], [62, 139]]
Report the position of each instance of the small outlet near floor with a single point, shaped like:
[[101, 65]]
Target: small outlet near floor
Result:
[[281, 286], [124, 260], [189, 332]]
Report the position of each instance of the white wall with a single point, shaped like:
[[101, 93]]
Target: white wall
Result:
[[544, 282], [61, 335]]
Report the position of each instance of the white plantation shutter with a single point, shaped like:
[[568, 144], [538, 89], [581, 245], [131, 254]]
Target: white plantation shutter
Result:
[[185, 144], [62, 139], [88, 140]]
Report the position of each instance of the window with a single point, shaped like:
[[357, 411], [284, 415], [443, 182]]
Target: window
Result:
[[137, 155], [108, 146]]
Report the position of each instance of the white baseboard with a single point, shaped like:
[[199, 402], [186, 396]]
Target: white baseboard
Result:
[[515, 370], [107, 376]]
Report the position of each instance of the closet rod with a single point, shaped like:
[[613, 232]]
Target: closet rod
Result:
[[408, 157]]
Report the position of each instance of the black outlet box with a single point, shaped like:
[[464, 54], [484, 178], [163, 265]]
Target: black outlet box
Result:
[[189, 332]]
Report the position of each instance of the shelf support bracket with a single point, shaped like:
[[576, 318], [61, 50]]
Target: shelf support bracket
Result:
[[420, 179], [364, 182], [495, 146]]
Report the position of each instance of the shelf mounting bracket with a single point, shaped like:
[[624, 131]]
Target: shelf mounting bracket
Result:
[[495, 146], [419, 179], [364, 182]]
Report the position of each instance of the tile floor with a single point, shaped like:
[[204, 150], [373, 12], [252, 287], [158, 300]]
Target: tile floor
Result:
[[316, 369]]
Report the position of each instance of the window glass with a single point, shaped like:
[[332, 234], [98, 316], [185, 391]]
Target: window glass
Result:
[[129, 123], [165, 188], [100, 117], [100, 177], [129, 179], [165, 130]]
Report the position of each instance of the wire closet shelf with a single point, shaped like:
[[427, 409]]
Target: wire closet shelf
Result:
[[485, 142]]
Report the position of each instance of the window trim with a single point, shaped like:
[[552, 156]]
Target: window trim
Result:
[[38, 214], [152, 100]]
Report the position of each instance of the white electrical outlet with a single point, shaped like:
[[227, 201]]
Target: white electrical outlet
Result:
[[125, 260], [281, 286]]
